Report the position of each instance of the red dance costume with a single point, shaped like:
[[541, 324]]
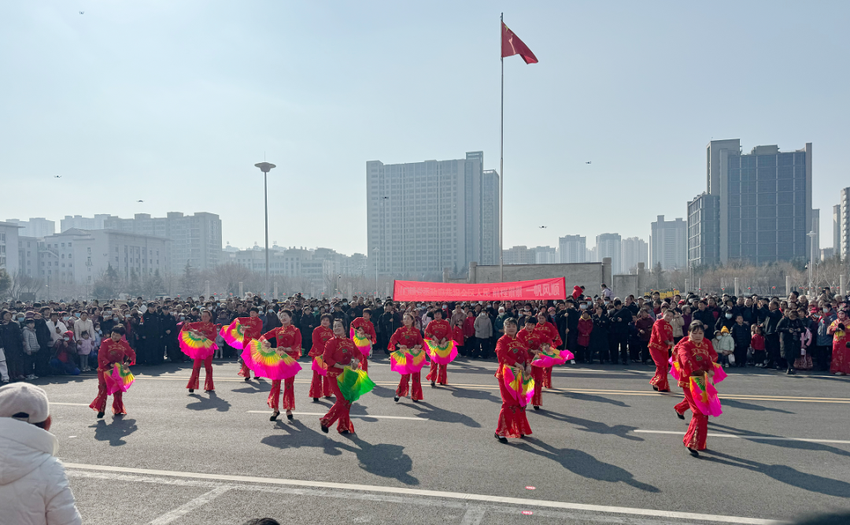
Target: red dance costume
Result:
[[532, 341], [369, 331], [286, 337], [320, 385], [408, 337], [840, 363], [692, 358], [110, 353], [512, 421], [437, 331], [339, 350], [662, 334], [210, 331], [253, 329], [550, 333]]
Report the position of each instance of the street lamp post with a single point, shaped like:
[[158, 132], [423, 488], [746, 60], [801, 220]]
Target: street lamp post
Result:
[[266, 167], [376, 271], [811, 235]]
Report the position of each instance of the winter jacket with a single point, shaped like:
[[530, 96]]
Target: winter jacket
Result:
[[33, 487], [599, 335], [677, 324], [741, 335], [31, 345], [483, 327], [724, 343], [789, 337], [585, 328], [771, 320], [824, 338]]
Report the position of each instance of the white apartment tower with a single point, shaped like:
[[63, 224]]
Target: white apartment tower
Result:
[[423, 217], [668, 243], [572, 249]]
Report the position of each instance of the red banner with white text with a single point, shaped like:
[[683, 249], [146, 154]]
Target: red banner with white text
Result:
[[540, 289]]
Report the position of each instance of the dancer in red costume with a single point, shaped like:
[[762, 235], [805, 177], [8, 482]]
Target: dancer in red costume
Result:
[[288, 341], [511, 352], [321, 385], [840, 364], [112, 350], [364, 323], [253, 328], [440, 331], [534, 339], [408, 337], [696, 356], [339, 353], [660, 343], [208, 330], [549, 332]]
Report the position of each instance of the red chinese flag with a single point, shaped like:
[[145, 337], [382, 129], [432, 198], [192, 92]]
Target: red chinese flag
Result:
[[512, 45]]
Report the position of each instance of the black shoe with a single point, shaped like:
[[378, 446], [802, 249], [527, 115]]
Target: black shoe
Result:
[[415, 400], [247, 379], [790, 372], [433, 384], [100, 415], [680, 416], [502, 439], [395, 399], [209, 391], [655, 388], [191, 390], [536, 407], [324, 429], [344, 432], [693, 452], [315, 400], [290, 417], [274, 416]]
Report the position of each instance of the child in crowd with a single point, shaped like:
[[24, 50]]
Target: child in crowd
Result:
[[84, 350], [31, 346], [757, 345], [585, 328], [62, 362], [724, 345]]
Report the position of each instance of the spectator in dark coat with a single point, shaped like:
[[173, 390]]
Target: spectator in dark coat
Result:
[[741, 335]]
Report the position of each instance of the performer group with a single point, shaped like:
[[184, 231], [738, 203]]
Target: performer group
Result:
[[339, 365]]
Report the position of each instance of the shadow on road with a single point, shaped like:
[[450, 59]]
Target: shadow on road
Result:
[[733, 403], [586, 425], [114, 432], [592, 398], [784, 474], [799, 445], [382, 391], [444, 416], [584, 465], [253, 387], [213, 402], [466, 393]]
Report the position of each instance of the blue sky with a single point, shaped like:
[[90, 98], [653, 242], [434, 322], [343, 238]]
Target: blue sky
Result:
[[172, 103]]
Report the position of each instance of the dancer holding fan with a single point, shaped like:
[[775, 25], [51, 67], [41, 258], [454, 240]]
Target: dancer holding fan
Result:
[[197, 340], [364, 340], [660, 343], [695, 357], [339, 353], [321, 383], [241, 332], [534, 339], [408, 359], [438, 335], [113, 351], [549, 332], [288, 340], [514, 365]]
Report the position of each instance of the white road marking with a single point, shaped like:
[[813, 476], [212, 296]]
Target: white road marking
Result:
[[189, 506], [364, 416], [430, 494], [473, 516], [753, 438], [70, 404]]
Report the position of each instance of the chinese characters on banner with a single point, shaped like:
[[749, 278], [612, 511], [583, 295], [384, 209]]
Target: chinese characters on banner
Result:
[[540, 289]]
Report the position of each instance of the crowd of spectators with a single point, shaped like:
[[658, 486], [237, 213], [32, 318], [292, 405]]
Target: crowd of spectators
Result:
[[52, 338]]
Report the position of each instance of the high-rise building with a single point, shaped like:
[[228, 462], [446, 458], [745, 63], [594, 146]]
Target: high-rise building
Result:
[[9, 258], [84, 223], [519, 255], [764, 202], [38, 227], [195, 239], [668, 243], [427, 216], [28, 249], [634, 250], [836, 230], [545, 255], [572, 249], [611, 245], [844, 235]]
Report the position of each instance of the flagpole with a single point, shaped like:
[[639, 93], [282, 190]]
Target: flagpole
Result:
[[502, 158]]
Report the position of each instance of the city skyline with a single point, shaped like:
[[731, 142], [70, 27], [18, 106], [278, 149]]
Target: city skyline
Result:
[[159, 134]]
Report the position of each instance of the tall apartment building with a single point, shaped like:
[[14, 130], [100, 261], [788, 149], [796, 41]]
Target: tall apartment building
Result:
[[572, 249], [836, 230], [844, 230], [84, 223], [195, 239], [757, 207], [9, 247], [28, 258], [519, 255], [610, 245], [545, 255], [668, 243], [38, 227], [634, 250], [426, 216]]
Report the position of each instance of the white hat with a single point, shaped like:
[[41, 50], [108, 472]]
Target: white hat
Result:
[[24, 402]]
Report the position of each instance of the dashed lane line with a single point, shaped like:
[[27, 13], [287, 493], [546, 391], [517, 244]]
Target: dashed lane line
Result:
[[750, 438]]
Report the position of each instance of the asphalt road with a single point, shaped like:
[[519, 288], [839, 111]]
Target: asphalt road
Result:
[[605, 449]]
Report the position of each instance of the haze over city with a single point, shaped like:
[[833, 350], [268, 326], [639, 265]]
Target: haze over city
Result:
[[171, 104]]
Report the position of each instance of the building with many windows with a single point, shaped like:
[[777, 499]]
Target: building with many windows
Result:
[[610, 245], [519, 255], [572, 249], [842, 247], [84, 223], [9, 247], [423, 217], [757, 207], [634, 251], [668, 243], [38, 227]]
